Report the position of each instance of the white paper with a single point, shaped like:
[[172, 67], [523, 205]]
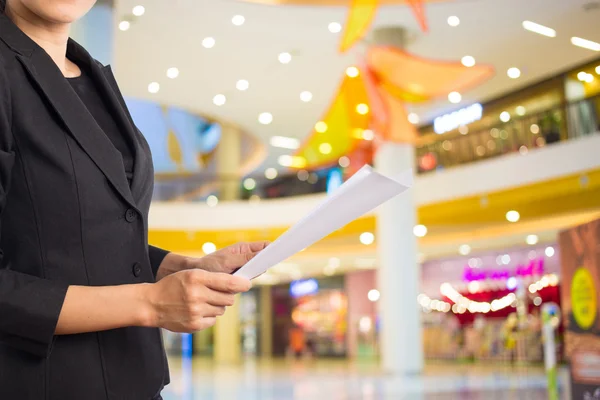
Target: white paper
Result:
[[364, 191]]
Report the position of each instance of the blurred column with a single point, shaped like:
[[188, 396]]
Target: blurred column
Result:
[[398, 277], [228, 339], [95, 31], [228, 159], [266, 322]]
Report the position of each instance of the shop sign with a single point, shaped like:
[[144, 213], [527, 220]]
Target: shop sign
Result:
[[580, 266], [304, 287], [452, 121], [534, 268]]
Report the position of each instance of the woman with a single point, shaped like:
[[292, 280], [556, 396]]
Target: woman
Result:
[[82, 295]]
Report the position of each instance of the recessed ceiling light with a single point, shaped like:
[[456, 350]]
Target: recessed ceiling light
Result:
[[513, 72], [367, 238], [124, 25], [531, 240], [208, 42], [373, 295], [453, 20], [540, 29], [172, 73], [242, 85], [582, 76], [285, 58], [368, 134], [238, 20], [138, 11], [589, 78], [212, 200], [209, 248], [344, 162], [464, 249], [306, 96], [520, 110], [303, 176], [504, 116], [468, 61], [513, 216], [154, 87], [249, 184], [270, 173], [265, 118], [219, 100], [285, 142], [413, 118], [598, 69], [352, 72], [325, 148], [362, 109], [586, 44], [420, 230], [454, 97], [335, 27], [321, 127]]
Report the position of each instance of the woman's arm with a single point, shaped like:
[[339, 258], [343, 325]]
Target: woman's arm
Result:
[[186, 301]]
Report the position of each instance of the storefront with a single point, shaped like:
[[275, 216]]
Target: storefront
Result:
[[313, 312], [487, 307]]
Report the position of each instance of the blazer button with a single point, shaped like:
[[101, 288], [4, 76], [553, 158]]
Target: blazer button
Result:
[[137, 269], [130, 215]]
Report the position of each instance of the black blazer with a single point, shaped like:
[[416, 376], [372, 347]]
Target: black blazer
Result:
[[68, 217]]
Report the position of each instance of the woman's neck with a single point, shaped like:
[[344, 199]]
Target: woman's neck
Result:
[[52, 37]]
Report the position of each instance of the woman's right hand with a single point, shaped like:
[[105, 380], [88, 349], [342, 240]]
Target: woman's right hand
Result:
[[191, 300]]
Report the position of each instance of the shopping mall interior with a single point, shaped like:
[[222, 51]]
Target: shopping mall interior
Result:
[[256, 111]]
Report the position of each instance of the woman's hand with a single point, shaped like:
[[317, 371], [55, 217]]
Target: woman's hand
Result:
[[229, 259], [190, 300], [226, 260]]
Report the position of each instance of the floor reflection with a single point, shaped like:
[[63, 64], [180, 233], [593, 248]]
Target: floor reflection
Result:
[[195, 379]]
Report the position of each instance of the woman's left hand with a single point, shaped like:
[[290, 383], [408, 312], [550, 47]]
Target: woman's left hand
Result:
[[228, 259]]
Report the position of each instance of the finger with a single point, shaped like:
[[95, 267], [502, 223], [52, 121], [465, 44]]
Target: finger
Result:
[[211, 311], [227, 283], [234, 261], [202, 324], [220, 299], [258, 246]]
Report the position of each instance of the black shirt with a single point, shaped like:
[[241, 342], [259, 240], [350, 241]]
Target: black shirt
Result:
[[86, 89]]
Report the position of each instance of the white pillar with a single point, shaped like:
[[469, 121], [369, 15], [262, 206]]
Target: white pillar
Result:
[[96, 30], [398, 277]]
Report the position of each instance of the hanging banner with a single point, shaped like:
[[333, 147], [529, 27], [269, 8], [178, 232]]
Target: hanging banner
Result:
[[580, 268]]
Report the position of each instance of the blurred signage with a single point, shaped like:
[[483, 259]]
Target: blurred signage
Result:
[[304, 287], [580, 266], [534, 268], [452, 121], [335, 179]]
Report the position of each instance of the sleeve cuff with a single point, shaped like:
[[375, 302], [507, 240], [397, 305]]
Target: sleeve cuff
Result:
[[157, 255]]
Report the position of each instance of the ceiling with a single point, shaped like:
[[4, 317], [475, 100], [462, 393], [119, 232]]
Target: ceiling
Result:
[[170, 34]]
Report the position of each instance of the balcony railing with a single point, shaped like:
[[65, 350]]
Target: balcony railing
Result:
[[521, 134]]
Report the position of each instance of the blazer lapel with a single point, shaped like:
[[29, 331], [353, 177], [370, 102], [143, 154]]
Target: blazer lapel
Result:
[[110, 89], [77, 119]]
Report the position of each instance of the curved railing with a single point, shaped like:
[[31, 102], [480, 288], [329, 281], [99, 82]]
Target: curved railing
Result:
[[519, 135]]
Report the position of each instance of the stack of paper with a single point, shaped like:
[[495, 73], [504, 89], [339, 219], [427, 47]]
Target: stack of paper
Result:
[[364, 191]]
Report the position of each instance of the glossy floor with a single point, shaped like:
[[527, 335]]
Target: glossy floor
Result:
[[200, 379]]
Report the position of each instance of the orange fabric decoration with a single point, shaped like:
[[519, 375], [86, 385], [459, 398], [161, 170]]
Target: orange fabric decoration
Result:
[[388, 79], [359, 20]]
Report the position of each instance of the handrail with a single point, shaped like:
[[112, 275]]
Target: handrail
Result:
[[522, 134]]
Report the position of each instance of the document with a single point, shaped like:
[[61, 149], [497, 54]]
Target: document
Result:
[[364, 191]]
